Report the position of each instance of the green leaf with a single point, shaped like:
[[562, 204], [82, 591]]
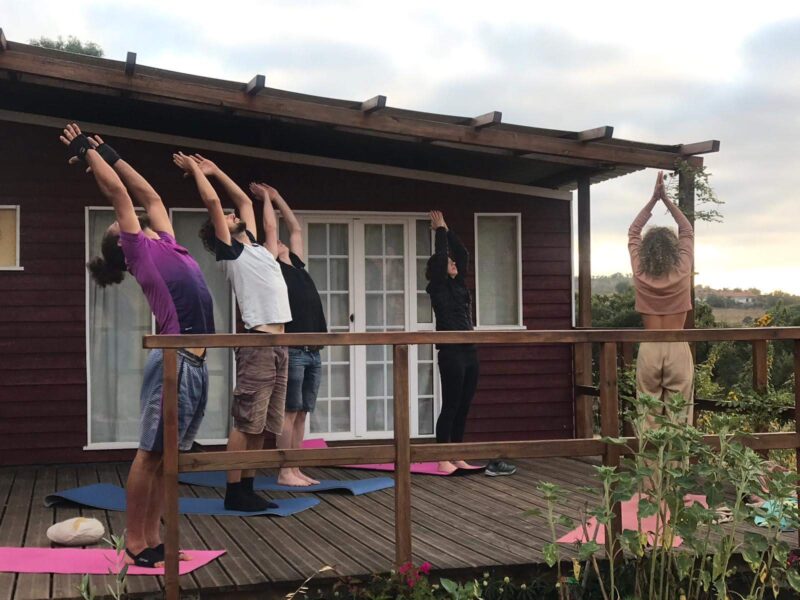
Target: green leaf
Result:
[[586, 550], [793, 577], [647, 508], [550, 552], [450, 586]]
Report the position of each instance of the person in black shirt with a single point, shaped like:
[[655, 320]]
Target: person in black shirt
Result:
[[458, 363], [305, 365]]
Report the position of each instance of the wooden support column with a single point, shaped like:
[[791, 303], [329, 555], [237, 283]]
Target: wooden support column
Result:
[[584, 411], [760, 367], [169, 408], [626, 361], [797, 413], [609, 425], [686, 204], [402, 446]]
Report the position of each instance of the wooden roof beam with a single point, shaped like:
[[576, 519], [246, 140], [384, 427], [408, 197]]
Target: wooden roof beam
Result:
[[256, 84], [598, 133], [488, 120], [3, 41], [162, 87], [130, 64], [699, 148], [373, 104]]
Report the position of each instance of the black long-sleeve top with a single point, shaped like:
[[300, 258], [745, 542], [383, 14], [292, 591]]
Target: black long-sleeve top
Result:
[[450, 298]]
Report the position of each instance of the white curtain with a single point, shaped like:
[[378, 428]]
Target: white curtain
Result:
[[118, 318], [498, 270]]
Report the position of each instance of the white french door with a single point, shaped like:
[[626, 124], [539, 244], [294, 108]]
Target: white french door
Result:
[[369, 271]]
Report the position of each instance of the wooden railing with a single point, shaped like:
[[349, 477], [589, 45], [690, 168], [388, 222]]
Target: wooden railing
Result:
[[401, 451]]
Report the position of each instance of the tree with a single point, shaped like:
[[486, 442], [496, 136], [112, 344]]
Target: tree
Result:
[[72, 44]]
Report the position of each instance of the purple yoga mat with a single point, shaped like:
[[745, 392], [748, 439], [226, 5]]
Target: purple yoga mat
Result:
[[423, 468], [94, 561]]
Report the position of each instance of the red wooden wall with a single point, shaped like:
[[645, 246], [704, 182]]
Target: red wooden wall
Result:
[[524, 392]]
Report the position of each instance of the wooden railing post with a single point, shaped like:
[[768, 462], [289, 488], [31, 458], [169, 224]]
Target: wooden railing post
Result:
[[402, 447], [760, 370], [169, 408], [609, 426], [797, 412]]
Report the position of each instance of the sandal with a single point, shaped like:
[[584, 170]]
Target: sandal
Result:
[[147, 558]]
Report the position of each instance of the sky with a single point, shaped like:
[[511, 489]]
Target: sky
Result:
[[689, 72]]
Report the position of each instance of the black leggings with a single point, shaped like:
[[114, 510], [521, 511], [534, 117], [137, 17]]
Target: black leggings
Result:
[[458, 367]]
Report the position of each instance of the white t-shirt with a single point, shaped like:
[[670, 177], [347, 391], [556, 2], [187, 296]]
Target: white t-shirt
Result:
[[257, 282]]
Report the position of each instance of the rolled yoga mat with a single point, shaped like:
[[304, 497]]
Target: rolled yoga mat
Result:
[[422, 468], [94, 561], [111, 497], [217, 479]]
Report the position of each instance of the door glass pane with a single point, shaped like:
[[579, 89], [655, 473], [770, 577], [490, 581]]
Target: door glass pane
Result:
[[385, 311], [328, 260], [424, 249], [423, 238], [374, 274], [219, 360]]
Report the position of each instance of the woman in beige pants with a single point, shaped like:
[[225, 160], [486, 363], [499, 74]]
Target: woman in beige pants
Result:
[[662, 273]]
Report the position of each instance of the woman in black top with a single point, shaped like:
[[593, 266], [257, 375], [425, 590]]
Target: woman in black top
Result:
[[452, 306]]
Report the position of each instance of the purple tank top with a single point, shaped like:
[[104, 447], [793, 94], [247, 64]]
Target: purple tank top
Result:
[[171, 281]]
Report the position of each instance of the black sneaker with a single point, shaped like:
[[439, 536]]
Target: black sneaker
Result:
[[497, 468]]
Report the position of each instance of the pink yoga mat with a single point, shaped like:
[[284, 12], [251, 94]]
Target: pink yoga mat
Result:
[[423, 468], [630, 509], [94, 561]]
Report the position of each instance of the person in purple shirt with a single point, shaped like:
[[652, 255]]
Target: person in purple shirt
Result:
[[178, 295]]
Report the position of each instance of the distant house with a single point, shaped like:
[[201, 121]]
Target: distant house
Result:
[[362, 176]]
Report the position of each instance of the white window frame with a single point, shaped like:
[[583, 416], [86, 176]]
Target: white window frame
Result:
[[16, 266], [520, 323], [88, 254]]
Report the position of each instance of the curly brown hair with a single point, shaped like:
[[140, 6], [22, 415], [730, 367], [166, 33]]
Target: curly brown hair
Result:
[[659, 253]]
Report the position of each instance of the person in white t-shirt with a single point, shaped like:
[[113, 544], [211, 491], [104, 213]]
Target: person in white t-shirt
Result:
[[263, 299]]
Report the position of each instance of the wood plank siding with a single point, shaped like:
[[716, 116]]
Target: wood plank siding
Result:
[[524, 392]]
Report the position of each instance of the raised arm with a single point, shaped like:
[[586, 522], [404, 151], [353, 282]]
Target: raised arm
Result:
[[292, 224], [207, 195], [108, 181], [240, 199], [441, 249], [261, 192], [635, 230], [459, 253], [685, 234], [142, 192]]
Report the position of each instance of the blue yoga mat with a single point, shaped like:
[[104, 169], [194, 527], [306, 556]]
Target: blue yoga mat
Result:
[[356, 487], [112, 497]]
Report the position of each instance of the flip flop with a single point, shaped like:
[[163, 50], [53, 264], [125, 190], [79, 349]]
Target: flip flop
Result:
[[147, 558]]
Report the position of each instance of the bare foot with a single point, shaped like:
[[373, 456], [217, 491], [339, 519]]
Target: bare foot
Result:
[[287, 477], [460, 464], [301, 475], [445, 466]]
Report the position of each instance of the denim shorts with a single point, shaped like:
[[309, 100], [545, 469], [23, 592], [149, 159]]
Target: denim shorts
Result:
[[192, 398], [305, 374]]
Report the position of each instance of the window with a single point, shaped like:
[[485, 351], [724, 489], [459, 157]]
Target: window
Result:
[[117, 318], [498, 270], [9, 238]]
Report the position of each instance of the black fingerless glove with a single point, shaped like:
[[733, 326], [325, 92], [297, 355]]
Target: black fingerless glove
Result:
[[79, 146], [108, 153]]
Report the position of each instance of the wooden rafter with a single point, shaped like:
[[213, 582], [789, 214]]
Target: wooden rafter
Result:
[[488, 120], [256, 84], [130, 64], [700, 148], [373, 104], [159, 85], [598, 133]]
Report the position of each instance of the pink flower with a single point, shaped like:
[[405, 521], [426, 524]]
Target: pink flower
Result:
[[425, 568], [405, 568]]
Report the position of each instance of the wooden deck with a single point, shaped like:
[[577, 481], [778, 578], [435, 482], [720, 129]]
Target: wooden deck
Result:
[[467, 522]]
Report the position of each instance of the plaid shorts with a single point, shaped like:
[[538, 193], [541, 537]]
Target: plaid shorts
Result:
[[192, 398], [260, 394]]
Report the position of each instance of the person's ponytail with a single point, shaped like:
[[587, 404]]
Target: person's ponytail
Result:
[[110, 268]]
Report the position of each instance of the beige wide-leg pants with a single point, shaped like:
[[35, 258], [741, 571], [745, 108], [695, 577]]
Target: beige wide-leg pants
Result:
[[663, 369]]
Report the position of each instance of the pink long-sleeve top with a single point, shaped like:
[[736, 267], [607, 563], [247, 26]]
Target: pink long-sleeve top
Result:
[[670, 293]]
